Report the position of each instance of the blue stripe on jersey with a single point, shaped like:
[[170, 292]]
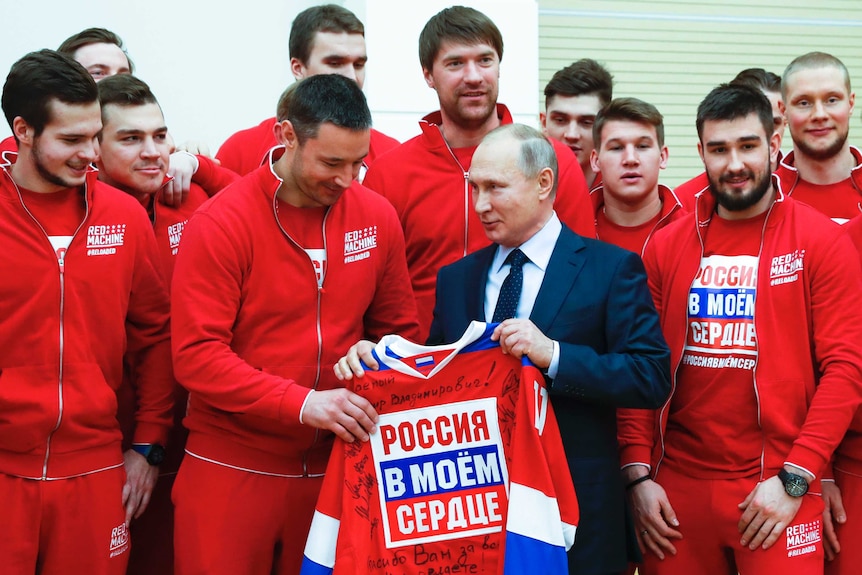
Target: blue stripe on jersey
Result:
[[528, 555]]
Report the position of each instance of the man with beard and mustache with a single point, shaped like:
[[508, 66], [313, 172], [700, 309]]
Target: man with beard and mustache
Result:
[[81, 289], [425, 178], [823, 168], [725, 477]]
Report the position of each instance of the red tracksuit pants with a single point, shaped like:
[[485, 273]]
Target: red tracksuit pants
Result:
[[233, 522], [64, 526], [849, 560], [708, 518]]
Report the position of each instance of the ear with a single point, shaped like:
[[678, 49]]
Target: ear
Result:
[[429, 79], [545, 180], [543, 118], [852, 101], [774, 148], [23, 131], [663, 162], [782, 108], [700, 151], [594, 161], [285, 134], [297, 68]]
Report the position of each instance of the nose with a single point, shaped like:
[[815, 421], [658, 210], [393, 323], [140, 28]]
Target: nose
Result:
[[572, 132], [346, 174], [819, 110], [149, 149], [736, 163], [480, 202], [89, 151], [630, 155], [471, 72]]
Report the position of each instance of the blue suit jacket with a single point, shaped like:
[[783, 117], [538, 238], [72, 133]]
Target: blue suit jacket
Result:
[[595, 302]]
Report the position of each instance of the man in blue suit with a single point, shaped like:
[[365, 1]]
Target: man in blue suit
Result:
[[584, 315]]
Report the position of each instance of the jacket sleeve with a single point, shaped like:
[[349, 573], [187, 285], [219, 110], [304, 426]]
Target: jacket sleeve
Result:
[[634, 371], [148, 336], [393, 310], [636, 427], [212, 177], [836, 325], [207, 295]]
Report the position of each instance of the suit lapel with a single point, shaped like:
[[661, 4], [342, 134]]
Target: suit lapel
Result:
[[477, 277], [567, 261]]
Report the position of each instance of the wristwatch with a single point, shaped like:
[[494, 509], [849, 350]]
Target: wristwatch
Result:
[[154, 452], [795, 485]]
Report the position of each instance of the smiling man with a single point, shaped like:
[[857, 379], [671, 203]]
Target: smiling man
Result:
[[823, 168], [725, 477], [426, 178], [81, 289], [277, 276]]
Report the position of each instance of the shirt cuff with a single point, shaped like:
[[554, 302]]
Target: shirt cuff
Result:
[[555, 361], [302, 409]]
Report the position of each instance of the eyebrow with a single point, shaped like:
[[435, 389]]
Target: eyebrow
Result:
[[751, 138], [133, 131]]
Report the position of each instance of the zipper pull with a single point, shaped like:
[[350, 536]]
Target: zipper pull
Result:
[[61, 259]]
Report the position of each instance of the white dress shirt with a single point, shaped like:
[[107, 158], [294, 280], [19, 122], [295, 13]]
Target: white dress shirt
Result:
[[538, 249]]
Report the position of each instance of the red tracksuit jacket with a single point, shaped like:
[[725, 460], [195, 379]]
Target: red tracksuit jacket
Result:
[[808, 375], [68, 320], [254, 333]]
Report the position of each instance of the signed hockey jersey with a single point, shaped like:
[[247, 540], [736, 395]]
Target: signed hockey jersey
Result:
[[465, 474]]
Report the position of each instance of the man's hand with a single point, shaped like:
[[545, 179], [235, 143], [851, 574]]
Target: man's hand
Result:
[[182, 168], [350, 365], [655, 519], [197, 148], [347, 415], [833, 512], [767, 510], [521, 337], [140, 480]]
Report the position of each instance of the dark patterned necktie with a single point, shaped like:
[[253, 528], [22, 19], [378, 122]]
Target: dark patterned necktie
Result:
[[510, 292]]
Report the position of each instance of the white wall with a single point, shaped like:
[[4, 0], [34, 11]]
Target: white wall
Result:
[[217, 70]]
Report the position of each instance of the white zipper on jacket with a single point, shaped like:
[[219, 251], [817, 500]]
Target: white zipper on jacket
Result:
[[466, 193], [61, 263], [320, 291], [657, 226]]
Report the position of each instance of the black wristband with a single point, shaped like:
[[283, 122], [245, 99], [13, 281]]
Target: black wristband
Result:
[[637, 481]]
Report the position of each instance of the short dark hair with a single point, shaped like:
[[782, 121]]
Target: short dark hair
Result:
[[40, 77], [731, 102], [586, 76], [633, 110], [759, 79], [283, 107], [125, 90], [326, 98], [93, 36], [459, 24], [323, 18]]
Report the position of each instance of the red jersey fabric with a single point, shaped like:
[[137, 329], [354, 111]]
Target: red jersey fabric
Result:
[[247, 150], [848, 456], [841, 201], [467, 463], [68, 320], [712, 429], [253, 330], [808, 330], [687, 191], [427, 183], [634, 238]]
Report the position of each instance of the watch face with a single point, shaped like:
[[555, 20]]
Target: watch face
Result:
[[156, 455], [794, 485]]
